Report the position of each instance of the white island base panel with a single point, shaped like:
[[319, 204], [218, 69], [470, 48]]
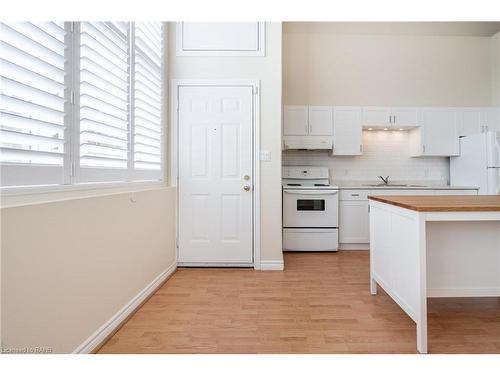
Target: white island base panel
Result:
[[416, 255]]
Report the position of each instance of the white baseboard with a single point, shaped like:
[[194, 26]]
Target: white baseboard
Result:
[[463, 292], [107, 328], [354, 246], [272, 265]]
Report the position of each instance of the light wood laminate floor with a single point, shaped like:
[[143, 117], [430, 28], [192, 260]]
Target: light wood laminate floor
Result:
[[321, 303]]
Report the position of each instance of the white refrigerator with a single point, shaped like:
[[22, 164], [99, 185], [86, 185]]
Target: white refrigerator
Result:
[[478, 163]]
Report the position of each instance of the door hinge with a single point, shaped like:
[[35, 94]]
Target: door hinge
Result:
[[255, 90]]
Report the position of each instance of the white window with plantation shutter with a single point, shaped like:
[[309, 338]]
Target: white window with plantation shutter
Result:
[[32, 103], [148, 99], [81, 102], [104, 93]]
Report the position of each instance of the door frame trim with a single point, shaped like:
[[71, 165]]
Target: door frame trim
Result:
[[175, 85]]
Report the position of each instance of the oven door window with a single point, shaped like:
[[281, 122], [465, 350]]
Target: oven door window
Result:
[[310, 204]]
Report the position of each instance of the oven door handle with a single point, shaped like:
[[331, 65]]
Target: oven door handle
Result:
[[309, 192]]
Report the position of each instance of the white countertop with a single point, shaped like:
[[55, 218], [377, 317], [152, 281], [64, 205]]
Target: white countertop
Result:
[[428, 185]]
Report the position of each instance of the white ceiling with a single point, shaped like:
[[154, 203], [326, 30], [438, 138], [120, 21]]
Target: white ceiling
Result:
[[395, 28]]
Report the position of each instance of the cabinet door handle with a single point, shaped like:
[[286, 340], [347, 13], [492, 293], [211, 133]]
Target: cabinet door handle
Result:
[[360, 148], [394, 119], [390, 119], [423, 149]]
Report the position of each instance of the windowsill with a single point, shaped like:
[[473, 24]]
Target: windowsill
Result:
[[30, 195]]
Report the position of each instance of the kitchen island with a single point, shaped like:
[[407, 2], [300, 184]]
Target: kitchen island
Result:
[[434, 246]]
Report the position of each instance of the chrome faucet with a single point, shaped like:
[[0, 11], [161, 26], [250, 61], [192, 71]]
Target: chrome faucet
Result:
[[386, 179]]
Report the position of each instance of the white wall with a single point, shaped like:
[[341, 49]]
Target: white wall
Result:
[[384, 153], [495, 69], [268, 70], [328, 68], [68, 266]]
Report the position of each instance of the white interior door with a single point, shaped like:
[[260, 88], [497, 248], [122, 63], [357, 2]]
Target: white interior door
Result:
[[215, 174]]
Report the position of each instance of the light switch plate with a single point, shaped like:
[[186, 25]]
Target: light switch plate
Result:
[[265, 155]]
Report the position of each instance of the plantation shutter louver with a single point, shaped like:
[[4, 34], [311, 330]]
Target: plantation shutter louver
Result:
[[148, 96], [32, 103], [104, 101]]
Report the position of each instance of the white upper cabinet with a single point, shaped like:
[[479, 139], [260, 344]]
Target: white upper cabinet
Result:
[[490, 119], [477, 120], [404, 117], [295, 120], [390, 117], [469, 121], [307, 120], [220, 39], [377, 116], [320, 120], [437, 135], [347, 131]]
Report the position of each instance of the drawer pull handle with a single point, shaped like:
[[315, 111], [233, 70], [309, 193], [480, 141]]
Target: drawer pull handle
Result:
[[354, 195]]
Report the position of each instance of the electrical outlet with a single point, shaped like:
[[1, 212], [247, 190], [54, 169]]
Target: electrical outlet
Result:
[[265, 155]]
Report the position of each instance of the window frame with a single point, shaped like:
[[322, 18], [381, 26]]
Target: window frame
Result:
[[22, 174], [72, 176]]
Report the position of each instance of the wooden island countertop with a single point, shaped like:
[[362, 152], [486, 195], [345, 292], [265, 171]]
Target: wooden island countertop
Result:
[[442, 203]]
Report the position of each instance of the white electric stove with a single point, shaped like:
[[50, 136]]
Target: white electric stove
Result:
[[310, 209]]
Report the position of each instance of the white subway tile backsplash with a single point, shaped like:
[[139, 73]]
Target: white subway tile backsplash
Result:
[[384, 153]]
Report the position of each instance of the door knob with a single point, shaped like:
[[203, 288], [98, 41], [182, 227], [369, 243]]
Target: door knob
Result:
[[246, 177], [246, 188]]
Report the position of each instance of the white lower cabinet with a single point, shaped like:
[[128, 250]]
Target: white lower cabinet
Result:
[[354, 222], [354, 216]]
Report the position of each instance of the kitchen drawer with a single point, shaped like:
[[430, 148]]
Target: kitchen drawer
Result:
[[310, 239], [354, 195], [401, 192]]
